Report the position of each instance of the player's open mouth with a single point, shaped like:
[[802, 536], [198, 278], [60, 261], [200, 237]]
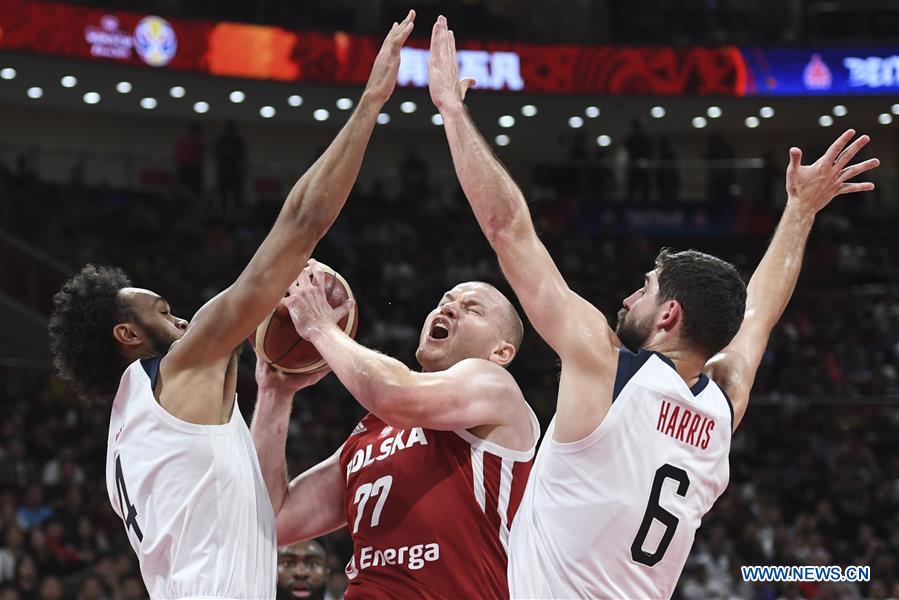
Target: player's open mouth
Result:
[[440, 330], [300, 590]]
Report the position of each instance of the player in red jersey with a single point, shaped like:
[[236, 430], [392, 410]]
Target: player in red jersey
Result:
[[427, 483]]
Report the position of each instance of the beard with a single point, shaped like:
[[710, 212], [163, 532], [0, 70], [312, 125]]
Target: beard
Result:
[[286, 592], [160, 342], [630, 331]]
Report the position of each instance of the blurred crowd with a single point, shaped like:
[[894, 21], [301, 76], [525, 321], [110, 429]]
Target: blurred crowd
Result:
[[814, 467]]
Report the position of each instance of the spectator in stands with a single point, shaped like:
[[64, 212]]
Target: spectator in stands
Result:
[[189, 149], [639, 152], [231, 166]]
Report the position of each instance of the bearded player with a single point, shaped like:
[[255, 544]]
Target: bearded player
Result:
[[181, 470], [637, 452], [429, 481]]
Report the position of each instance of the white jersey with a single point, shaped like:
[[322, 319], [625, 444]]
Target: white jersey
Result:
[[195, 506], [614, 515]]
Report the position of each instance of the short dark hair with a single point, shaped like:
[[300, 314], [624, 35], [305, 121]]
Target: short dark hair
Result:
[[711, 293], [85, 310]]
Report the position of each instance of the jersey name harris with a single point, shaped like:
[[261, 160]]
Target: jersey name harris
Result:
[[403, 440], [685, 425]]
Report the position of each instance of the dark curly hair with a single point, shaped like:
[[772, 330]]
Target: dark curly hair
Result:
[[711, 293], [85, 309]]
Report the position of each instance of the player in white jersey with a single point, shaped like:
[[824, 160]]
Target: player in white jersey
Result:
[[637, 451], [181, 469]]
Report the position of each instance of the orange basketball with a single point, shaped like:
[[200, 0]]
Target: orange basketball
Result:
[[278, 343]]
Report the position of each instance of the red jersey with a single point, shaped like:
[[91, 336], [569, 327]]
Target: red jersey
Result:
[[430, 511]]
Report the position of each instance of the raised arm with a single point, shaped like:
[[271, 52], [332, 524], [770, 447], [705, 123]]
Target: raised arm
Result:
[[574, 328], [313, 503], [310, 209], [471, 393], [809, 189]]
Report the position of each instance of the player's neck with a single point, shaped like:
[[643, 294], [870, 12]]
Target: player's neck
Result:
[[688, 364]]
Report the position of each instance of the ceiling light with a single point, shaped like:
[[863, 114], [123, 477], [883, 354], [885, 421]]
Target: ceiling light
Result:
[[91, 98], [201, 107], [408, 107], [344, 103], [766, 112], [825, 120], [713, 112], [69, 81], [506, 121], [295, 100], [603, 140], [575, 122], [895, 109], [699, 122], [502, 140], [123, 87], [592, 112], [177, 92], [657, 111], [35, 92], [321, 114], [528, 110], [267, 112], [148, 103], [885, 118], [752, 122], [839, 110], [8, 73], [383, 118], [436, 119]]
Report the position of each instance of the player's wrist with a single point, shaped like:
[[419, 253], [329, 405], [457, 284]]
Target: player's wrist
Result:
[[451, 109]]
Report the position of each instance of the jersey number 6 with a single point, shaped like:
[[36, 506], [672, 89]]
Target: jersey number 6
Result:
[[380, 488], [657, 513]]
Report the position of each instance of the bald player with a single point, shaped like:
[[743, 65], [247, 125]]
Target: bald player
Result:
[[429, 481]]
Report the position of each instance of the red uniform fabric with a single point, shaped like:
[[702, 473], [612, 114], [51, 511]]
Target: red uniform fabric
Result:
[[429, 511]]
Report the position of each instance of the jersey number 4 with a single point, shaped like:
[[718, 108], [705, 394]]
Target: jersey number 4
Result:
[[380, 488], [654, 512], [129, 513]]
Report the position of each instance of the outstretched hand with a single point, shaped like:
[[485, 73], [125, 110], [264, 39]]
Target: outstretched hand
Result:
[[382, 80], [308, 304], [270, 379], [443, 70], [812, 187]]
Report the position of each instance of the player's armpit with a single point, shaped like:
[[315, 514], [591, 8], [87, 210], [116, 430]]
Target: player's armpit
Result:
[[314, 504], [585, 397], [471, 393], [734, 375]]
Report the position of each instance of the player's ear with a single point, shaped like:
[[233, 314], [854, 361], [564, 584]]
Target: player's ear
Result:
[[502, 354], [127, 335], [670, 315]]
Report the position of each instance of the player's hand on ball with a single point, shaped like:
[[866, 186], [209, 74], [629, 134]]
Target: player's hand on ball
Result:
[[443, 69], [270, 379], [812, 187], [308, 305], [382, 80]]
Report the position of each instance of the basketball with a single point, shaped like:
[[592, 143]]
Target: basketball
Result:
[[278, 343]]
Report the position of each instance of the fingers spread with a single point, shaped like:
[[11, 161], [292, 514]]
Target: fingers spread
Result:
[[851, 150], [851, 188], [855, 170], [837, 146]]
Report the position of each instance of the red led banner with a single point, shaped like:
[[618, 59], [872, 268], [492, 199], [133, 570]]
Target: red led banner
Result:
[[263, 52]]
